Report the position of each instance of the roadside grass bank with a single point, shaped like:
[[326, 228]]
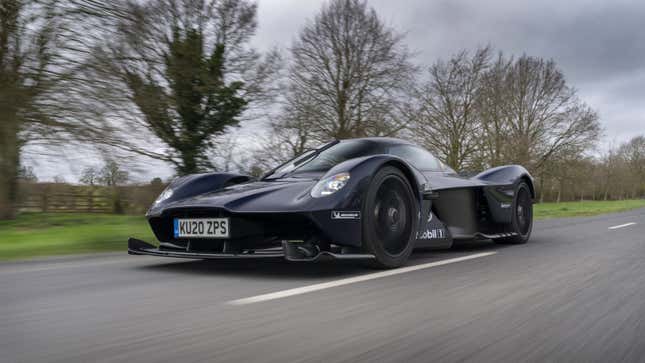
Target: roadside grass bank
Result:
[[44, 234], [585, 208]]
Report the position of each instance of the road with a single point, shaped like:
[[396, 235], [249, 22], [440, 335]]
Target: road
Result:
[[575, 292]]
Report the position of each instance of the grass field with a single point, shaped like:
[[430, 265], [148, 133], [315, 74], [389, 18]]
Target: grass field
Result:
[[43, 234]]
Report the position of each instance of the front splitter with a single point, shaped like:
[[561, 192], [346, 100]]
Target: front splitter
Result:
[[139, 247]]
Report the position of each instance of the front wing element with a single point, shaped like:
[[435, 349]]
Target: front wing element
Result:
[[288, 252]]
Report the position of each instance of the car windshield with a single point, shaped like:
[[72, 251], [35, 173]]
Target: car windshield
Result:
[[325, 157]]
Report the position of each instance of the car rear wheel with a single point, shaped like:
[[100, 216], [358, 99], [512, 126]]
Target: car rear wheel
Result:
[[522, 219], [390, 221]]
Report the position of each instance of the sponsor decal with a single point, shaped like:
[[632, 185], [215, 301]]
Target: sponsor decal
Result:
[[505, 205], [429, 217], [335, 214], [436, 233]]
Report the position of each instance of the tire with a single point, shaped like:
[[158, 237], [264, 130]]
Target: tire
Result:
[[522, 219], [390, 220]]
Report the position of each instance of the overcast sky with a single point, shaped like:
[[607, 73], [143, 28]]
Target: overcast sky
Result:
[[600, 46]]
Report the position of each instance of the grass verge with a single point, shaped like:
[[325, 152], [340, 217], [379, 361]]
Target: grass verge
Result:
[[43, 234], [585, 208]]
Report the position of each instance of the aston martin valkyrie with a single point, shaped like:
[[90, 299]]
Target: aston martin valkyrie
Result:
[[373, 199]]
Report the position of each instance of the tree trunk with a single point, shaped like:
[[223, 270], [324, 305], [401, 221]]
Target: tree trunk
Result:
[[9, 165], [8, 189], [606, 192], [117, 205], [189, 161], [559, 191]]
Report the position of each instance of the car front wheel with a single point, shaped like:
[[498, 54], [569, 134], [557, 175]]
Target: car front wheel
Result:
[[390, 222]]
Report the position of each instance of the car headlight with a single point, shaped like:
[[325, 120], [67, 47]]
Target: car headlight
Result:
[[167, 193], [330, 185]]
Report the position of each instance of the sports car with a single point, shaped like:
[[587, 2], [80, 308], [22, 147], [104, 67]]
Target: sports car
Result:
[[373, 199]]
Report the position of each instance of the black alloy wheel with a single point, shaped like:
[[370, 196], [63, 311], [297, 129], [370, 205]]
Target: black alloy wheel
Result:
[[390, 222]]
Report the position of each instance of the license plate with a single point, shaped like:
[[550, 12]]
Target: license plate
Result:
[[201, 228]]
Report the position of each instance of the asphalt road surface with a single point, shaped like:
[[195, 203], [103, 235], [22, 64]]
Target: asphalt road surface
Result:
[[575, 292]]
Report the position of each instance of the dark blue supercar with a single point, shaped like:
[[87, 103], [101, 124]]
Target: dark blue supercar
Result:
[[373, 199]]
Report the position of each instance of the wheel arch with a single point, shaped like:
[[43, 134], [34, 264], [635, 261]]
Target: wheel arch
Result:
[[529, 181], [409, 174], [365, 168]]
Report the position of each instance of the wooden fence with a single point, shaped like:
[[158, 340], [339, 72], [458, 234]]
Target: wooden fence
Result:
[[60, 197]]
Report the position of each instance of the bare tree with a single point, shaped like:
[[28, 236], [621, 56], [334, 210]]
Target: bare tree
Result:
[[616, 174], [90, 176], [37, 106], [112, 174], [491, 98], [477, 113], [347, 77], [288, 137], [544, 114], [633, 154], [448, 121]]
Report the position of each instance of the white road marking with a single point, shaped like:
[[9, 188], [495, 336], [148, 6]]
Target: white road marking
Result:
[[352, 280], [623, 225]]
